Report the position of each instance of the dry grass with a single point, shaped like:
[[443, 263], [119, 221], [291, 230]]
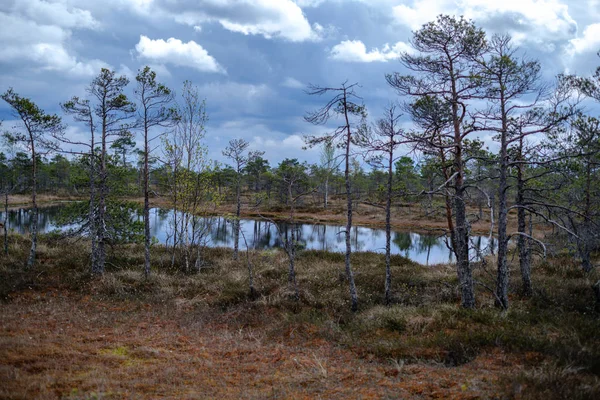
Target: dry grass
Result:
[[64, 334], [23, 200]]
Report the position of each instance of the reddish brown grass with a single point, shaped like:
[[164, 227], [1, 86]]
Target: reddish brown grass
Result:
[[60, 345]]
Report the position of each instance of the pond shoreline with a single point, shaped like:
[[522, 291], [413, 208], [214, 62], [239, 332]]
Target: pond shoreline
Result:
[[259, 233], [408, 217]]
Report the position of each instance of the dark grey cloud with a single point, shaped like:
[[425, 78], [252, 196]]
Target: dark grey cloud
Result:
[[251, 58]]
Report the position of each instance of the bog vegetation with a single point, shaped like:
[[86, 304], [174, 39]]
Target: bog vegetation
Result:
[[531, 333]]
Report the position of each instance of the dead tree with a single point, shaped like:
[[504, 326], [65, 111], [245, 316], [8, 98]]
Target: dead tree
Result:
[[82, 111], [344, 104], [382, 142], [154, 111], [236, 151]]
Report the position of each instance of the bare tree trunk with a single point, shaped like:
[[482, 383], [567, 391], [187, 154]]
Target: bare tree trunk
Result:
[[461, 238], [503, 272], [522, 241], [34, 210], [175, 223], [388, 228], [92, 210], [326, 191], [349, 274], [146, 204], [236, 225], [174, 233], [462, 251], [101, 226]]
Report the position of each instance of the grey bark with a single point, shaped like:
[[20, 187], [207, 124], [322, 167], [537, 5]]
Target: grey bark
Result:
[[522, 242], [146, 172], [341, 104], [326, 200], [461, 237], [238, 208], [146, 180], [154, 99], [388, 227], [503, 271], [349, 273], [113, 109], [92, 206], [34, 210], [448, 48], [102, 193], [83, 112]]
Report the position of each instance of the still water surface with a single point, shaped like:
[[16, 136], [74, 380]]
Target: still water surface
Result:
[[422, 248]]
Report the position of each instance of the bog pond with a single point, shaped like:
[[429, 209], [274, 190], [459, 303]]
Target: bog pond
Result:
[[426, 249]]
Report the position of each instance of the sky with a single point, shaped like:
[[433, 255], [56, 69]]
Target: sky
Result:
[[252, 59]]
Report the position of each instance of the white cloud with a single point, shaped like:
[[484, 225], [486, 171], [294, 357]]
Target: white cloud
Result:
[[536, 21], [356, 51], [309, 3], [55, 13], [174, 51], [588, 42], [420, 13], [292, 83], [268, 18], [42, 46]]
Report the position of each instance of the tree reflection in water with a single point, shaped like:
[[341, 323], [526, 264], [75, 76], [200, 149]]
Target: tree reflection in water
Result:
[[423, 248]]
